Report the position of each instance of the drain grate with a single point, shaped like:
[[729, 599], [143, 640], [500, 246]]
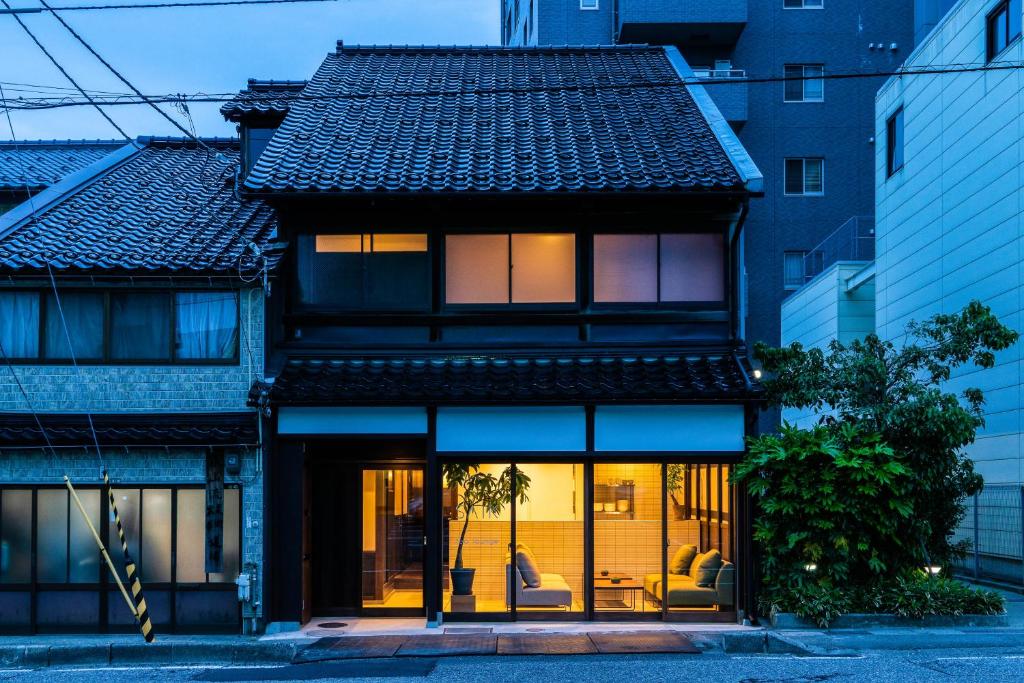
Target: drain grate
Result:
[[333, 624]]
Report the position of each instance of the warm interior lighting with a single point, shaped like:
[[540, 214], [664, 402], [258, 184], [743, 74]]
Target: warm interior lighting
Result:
[[399, 242], [476, 269], [339, 244], [377, 242], [543, 268]]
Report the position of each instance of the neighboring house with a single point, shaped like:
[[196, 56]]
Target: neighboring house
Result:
[[157, 269], [30, 166], [524, 275], [812, 138], [949, 200]]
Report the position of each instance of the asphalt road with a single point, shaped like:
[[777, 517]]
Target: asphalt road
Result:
[[906, 667]]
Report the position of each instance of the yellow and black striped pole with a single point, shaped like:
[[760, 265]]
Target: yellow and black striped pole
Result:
[[142, 614]]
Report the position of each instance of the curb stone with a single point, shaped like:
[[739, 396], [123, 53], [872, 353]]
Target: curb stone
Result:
[[137, 653], [79, 654]]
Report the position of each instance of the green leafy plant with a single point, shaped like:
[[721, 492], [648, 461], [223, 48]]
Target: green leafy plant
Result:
[[895, 389], [483, 491], [833, 505]]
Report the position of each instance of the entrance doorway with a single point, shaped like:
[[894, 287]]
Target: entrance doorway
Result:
[[364, 527]]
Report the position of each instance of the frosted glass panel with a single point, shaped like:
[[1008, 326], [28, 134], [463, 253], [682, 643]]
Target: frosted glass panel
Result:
[[669, 428], [692, 268], [625, 268], [52, 536], [84, 566], [391, 243], [127, 501], [476, 269], [191, 536], [543, 268], [156, 536], [232, 553], [16, 536], [339, 244], [535, 428]]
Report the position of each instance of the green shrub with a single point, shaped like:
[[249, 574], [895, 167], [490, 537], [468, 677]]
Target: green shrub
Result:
[[912, 597]]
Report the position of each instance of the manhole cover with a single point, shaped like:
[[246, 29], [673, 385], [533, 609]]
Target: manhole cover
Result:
[[333, 624], [536, 630]]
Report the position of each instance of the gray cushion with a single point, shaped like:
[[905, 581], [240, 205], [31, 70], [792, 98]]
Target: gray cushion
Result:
[[706, 572], [527, 565], [682, 560]]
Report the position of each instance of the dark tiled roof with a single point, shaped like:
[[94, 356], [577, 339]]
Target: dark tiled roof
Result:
[[351, 132], [41, 163], [223, 429], [262, 98], [168, 206], [468, 379]]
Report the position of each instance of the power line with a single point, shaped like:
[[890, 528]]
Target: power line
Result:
[[202, 98], [66, 75], [152, 5]]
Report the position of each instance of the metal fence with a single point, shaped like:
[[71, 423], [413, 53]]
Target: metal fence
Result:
[[854, 240], [994, 526]]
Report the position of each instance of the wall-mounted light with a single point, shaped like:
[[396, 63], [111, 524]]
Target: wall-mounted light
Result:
[[757, 374], [934, 570], [811, 567]]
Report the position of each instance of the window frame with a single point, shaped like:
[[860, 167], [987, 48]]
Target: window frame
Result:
[[172, 358], [804, 5], [894, 119], [656, 305], [993, 25], [803, 192], [590, 8], [803, 83], [558, 306]]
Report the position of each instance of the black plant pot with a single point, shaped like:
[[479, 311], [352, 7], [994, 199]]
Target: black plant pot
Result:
[[462, 581]]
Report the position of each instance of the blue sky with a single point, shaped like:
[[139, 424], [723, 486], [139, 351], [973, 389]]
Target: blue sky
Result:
[[209, 50]]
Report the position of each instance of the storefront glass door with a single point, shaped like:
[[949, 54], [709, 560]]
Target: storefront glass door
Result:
[[392, 538]]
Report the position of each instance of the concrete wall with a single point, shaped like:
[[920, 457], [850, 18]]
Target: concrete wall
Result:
[[826, 309], [949, 224]]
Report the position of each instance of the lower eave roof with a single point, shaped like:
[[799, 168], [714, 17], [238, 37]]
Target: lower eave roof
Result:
[[655, 377], [66, 430]]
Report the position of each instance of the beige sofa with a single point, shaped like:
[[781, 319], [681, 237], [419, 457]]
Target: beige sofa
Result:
[[683, 590], [553, 590]]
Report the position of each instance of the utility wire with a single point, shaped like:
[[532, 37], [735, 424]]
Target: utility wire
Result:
[[66, 75], [121, 77], [56, 103], [153, 5]]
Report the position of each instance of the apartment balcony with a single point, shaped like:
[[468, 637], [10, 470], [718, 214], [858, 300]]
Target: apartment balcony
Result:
[[728, 88], [681, 22]]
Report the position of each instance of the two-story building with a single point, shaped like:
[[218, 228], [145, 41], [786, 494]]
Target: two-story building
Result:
[[30, 166], [520, 265], [131, 328]]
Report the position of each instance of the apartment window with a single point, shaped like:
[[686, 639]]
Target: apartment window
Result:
[[804, 83], [802, 4], [659, 268], [120, 326], [378, 271], [590, 4], [805, 177], [1002, 27], [793, 269], [518, 268], [894, 142]]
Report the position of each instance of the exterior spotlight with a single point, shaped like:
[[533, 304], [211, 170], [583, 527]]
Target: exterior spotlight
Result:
[[934, 570], [757, 374], [811, 567]]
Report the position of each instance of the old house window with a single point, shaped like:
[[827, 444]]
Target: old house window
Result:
[[138, 326], [206, 324], [658, 268], [19, 324], [83, 312], [378, 271], [519, 268]]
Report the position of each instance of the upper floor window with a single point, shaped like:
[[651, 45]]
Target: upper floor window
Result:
[[1002, 27], [894, 142], [378, 271], [802, 4], [590, 4], [120, 326], [793, 269], [804, 83], [660, 268], [517, 268], [805, 176]]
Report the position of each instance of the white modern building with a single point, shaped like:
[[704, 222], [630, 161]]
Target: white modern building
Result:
[[949, 196]]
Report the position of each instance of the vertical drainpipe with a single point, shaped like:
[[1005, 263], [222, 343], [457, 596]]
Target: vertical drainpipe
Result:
[[737, 272], [615, 22]]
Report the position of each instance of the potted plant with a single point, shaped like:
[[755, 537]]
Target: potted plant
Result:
[[474, 489], [675, 481]]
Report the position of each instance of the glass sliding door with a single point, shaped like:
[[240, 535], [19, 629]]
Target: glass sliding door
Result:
[[701, 560], [392, 538], [549, 540], [627, 512], [476, 538]]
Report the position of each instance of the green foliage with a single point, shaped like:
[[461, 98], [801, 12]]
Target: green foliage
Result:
[[833, 497], [896, 391], [477, 490], [913, 596]]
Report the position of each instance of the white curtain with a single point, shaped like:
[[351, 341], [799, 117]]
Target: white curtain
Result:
[[19, 324], [207, 324]]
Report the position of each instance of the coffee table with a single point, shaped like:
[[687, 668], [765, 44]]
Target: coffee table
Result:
[[627, 586]]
